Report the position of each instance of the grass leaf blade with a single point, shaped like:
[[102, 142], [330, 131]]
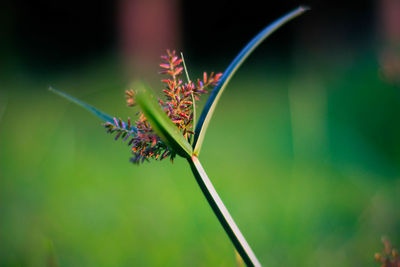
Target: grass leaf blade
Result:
[[103, 116], [161, 123], [212, 101]]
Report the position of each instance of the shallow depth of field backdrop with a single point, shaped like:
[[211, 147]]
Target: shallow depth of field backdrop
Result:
[[304, 147]]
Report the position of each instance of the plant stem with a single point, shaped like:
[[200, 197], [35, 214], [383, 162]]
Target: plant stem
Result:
[[193, 99], [222, 213]]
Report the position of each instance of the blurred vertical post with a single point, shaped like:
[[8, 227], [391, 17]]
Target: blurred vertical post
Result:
[[389, 34], [147, 29]]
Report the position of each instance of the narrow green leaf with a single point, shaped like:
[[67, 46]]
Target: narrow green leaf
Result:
[[212, 101], [161, 123], [103, 116]]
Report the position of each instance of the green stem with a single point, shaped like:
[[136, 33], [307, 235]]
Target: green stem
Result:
[[193, 99], [222, 213]]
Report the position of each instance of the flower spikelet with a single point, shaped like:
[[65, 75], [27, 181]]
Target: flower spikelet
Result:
[[144, 143]]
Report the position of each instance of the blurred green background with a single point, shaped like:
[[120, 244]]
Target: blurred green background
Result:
[[304, 148]]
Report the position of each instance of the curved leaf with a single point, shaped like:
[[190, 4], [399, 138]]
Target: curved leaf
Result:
[[161, 123], [105, 117], [212, 101]]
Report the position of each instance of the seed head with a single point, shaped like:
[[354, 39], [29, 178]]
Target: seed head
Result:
[[178, 101]]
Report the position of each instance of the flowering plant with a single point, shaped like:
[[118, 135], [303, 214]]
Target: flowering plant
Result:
[[179, 105], [168, 128]]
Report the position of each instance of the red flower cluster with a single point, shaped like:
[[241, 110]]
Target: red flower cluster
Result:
[[178, 104], [180, 96]]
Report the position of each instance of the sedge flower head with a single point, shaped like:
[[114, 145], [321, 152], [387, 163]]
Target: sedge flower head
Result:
[[178, 102]]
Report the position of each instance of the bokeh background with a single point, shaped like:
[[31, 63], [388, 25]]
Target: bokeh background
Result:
[[304, 147]]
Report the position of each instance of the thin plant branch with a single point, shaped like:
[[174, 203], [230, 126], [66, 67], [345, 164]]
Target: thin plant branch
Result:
[[193, 99]]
